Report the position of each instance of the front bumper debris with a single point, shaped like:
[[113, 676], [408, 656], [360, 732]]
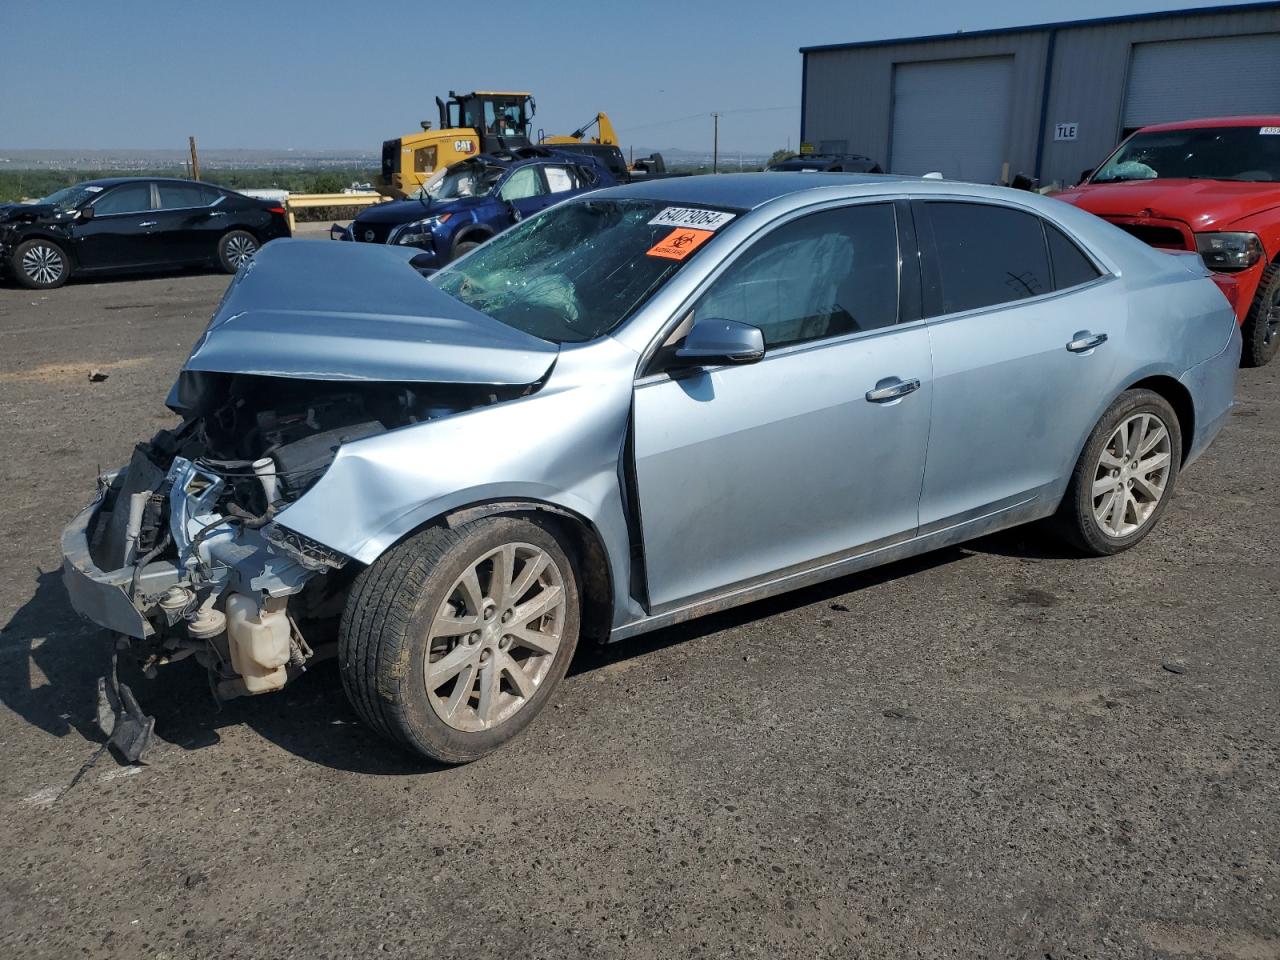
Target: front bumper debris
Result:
[[120, 718]]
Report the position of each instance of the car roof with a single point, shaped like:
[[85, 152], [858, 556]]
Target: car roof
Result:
[[746, 191], [525, 155], [1256, 120], [116, 181]]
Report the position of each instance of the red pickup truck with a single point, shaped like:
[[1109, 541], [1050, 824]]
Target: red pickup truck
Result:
[[1207, 185]]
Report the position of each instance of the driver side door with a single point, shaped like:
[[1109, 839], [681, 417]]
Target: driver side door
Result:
[[119, 234], [525, 191], [749, 472]]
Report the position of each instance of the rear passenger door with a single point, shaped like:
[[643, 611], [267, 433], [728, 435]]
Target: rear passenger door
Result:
[[188, 222], [1011, 305]]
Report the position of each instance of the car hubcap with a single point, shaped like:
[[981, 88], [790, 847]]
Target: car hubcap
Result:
[[43, 264], [240, 249], [493, 640], [1132, 475]]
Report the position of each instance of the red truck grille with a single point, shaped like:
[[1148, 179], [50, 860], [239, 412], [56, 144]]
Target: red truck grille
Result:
[[1164, 234]]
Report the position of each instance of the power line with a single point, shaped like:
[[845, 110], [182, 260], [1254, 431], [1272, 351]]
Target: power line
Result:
[[702, 116]]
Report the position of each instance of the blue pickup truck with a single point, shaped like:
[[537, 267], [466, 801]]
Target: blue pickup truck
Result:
[[476, 199]]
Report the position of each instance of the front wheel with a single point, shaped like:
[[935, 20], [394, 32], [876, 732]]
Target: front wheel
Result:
[[1125, 476], [40, 264], [235, 249], [1262, 324], [453, 641]]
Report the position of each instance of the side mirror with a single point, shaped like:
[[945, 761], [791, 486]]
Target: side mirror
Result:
[[86, 213], [713, 341], [1086, 174]]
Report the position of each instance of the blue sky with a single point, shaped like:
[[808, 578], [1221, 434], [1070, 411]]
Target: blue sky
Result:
[[312, 74]]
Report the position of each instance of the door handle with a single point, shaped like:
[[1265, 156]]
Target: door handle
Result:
[[147, 223], [892, 389], [1084, 341], [218, 213]]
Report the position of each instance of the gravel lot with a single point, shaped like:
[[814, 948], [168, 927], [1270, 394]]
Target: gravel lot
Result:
[[982, 752]]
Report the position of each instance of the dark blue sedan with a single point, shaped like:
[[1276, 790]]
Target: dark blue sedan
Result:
[[476, 199]]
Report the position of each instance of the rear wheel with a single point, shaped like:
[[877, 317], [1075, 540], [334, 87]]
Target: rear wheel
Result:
[[235, 249], [1125, 476], [40, 264], [455, 640], [1262, 324]]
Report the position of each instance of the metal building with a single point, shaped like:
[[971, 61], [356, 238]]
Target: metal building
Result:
[[1049, 100]]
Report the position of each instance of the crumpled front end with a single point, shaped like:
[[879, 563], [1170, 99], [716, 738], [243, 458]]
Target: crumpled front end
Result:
[[180, 555]]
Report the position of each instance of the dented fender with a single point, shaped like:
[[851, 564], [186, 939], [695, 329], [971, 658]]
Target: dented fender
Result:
[[561, 446]]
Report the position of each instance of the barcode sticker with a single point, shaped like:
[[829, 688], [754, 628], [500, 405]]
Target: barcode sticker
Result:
[[691, 217]]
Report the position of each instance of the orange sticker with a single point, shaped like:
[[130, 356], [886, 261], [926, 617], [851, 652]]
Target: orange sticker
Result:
[[679, 243]]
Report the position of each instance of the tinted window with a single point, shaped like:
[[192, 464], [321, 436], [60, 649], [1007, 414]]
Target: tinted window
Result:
[[525, 182], [823, 275], [985, 255], [1070, 266], [127, 198], [175, 196]]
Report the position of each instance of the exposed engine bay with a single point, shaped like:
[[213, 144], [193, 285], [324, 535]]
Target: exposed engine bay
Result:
[[189, 524]]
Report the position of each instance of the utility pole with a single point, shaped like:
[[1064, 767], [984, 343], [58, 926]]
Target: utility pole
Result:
[[195, 161], [715, 142]]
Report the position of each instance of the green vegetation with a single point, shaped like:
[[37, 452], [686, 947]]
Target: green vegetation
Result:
[[24, 184]]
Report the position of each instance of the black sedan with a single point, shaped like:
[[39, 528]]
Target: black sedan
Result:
[[130, 224]]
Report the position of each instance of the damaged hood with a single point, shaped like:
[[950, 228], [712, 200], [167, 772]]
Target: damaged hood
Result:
[[1202, 204], [25, 212], [318, 310]]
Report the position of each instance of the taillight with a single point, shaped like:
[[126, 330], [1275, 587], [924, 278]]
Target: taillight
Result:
[[279, 210]]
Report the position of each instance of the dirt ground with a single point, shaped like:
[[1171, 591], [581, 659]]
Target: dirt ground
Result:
[[996, 750]]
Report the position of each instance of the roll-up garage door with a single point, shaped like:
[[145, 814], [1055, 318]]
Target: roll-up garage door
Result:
[[952, 116], [1213, 77]]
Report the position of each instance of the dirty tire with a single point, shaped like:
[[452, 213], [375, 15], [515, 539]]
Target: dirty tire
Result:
[[40, 264], [384, 638], [1262, 323], [1076, 521], [465, 246], [235, 249]]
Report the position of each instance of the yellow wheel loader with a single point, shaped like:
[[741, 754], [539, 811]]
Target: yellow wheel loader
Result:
[[481, 122]]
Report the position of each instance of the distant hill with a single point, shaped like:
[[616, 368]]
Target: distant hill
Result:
[[237, 159]]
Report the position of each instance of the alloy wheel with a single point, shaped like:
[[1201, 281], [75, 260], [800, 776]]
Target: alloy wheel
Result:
[[493, 640], [241, 249], [43, 263], [1132, 475]]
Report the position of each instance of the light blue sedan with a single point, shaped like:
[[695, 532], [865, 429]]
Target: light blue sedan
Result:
[[641, 406]]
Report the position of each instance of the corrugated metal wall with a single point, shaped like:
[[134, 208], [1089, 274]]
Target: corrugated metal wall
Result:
[[1089, 70], [849, 92]]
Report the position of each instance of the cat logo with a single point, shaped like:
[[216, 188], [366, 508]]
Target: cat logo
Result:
[[463, 146]]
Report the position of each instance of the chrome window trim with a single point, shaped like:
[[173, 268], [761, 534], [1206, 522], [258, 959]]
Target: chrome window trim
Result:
[[1105, 274], [1015, 304]]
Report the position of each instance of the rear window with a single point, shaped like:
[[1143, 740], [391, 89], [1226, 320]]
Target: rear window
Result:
[[1070, 266], [986, 255], [575, 272], [175, 196]]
